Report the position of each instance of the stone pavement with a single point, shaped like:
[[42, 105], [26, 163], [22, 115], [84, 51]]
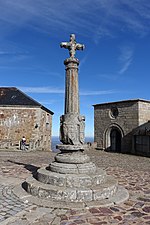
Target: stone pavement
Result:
[[131, 171]]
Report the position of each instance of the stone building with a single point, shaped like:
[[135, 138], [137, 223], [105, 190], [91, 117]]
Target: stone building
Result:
[[20, 116], [118, 126]]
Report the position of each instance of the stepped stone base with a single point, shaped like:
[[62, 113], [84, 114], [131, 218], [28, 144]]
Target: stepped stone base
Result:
[[78, 181], [120, 196], [70, 180], [69, 194]]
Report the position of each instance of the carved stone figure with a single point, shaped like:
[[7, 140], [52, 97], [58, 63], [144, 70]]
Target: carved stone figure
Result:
[[72, 129]]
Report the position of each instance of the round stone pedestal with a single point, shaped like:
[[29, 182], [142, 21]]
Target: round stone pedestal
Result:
[[72, 177], [72, 157], [70, 148]]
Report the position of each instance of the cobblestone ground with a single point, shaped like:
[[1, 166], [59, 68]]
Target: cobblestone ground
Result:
[[9, 203], [131, 171]]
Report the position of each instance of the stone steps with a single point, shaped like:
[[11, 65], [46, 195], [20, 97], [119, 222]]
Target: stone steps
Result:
[[74, 182], [72, 168], [119, 197], [71, 180], [83, 194]]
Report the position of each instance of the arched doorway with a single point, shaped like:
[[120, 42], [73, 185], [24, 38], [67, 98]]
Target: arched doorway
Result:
[[115, 140]]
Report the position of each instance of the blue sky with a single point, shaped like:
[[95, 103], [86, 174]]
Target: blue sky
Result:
[[115, 64]]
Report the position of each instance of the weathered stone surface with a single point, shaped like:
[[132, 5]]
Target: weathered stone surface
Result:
[[68, 148], [72, 46], [78, 194], [99, 178], [106, 189], [16, 122], [63, 168], [49, 177], [49, 191], [86, 168], [72, 123], [84, 195], [71, 180], [78, 181], [74, 157], [120, 196], [72, 129]]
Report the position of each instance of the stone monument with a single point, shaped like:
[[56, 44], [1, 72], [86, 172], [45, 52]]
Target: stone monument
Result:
[[72, 123], [72, 180]]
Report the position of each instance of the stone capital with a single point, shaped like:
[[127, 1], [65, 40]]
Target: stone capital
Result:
[[71, 63], [71, 60]]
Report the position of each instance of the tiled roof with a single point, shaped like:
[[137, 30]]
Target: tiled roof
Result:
[[11, 96]]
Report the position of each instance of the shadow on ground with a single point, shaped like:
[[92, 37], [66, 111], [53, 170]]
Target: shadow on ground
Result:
[[33, 169]]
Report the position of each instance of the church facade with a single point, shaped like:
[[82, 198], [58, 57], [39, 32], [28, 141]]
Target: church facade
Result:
[[123, 126], [20, 116]]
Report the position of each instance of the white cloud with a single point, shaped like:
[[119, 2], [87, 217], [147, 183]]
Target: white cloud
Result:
[[45, 15], [105, 92], [97, 19], [108, 76], [11, 53], [125, 58], [4, 53], [102, 31], [125, 66], [52, 90], [42, 90]]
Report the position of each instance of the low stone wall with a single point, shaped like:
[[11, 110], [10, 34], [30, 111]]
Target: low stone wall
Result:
[[90, 145]]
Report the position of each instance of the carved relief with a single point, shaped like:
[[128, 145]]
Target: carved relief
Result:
[[72, 129]]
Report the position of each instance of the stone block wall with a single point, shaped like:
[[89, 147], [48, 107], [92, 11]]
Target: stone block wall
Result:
[[144, 112], [32, 122], [125, 120]]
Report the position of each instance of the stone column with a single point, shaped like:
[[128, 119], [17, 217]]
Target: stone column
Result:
[[72, 90]]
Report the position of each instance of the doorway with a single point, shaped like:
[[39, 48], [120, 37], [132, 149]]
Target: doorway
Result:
[[115, 140]]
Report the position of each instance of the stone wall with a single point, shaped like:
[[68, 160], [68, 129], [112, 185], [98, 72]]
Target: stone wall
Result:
[[144, 112], [107, 117], [33, 123]]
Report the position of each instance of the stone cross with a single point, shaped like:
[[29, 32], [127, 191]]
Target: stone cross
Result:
[[72, 46], [72, 123]]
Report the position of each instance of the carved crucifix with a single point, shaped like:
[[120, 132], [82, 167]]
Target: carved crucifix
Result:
[[72, 46]]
